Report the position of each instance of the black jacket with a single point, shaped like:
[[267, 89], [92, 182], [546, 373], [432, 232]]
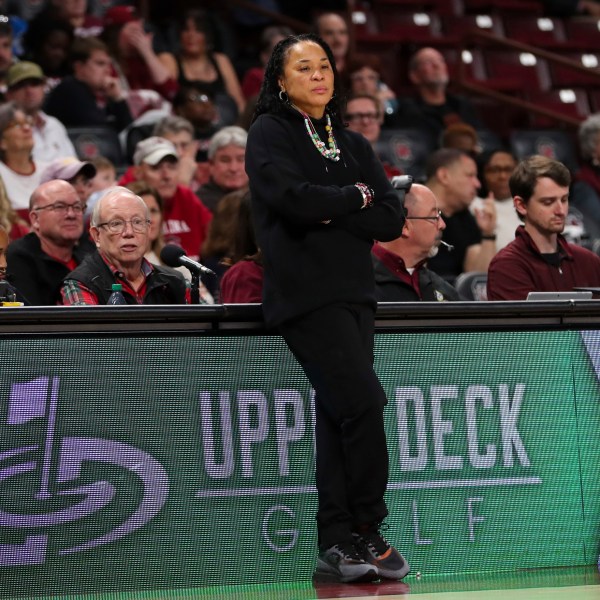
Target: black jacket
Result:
[[309, 263], [390, 288], [163, 285], [36, 275], [74, 104]]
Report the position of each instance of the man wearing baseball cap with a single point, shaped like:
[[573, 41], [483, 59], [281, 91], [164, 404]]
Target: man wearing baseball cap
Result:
[[25, 83], [185, 218], [78, 173]]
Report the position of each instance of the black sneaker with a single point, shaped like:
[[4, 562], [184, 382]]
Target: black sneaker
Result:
[[379, 552], [345, 564]]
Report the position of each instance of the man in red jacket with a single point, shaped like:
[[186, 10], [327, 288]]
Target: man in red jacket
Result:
[[185, 218], [540, 259]]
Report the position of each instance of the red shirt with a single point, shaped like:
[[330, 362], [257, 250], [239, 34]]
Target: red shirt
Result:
[[185, 221], [520, 268], [396, 265], [242, 283]]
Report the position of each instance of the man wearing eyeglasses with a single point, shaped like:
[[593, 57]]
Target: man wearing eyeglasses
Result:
[[119, 227], [401, 274], [39, 261], [364, 115]]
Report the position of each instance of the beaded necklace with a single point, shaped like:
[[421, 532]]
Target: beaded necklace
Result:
[[332, 152]]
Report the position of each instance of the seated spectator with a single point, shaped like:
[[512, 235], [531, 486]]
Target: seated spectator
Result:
[[401, 274], [152, 199], [91, 96], [363, 113], [195, 104], [452, 177], [134, 60], [496, 169], [196, 62], [19, 172], [333, 29], [106, 177], [461, 136], [47, 43], [25, 88], [6, 54], [78, 173], [253, 78], [180, 132], [73, 13], [106, 174], [9, 219], [8, 293], [185, 217], [226, 167], [38, 262], [585, 191], [156, 240], [217, 247], [119, 227], [539, 258], [435, 106], [363, 76], [243, 281]]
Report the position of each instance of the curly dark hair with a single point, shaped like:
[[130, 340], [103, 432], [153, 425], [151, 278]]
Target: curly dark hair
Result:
[[268, 99]]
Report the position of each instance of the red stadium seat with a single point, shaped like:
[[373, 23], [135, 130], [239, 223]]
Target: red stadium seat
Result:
[[535, 30], [583, 32], [421, 28], [512, 70], [458, 26], [571, 102], [563, 76], [534, 7]]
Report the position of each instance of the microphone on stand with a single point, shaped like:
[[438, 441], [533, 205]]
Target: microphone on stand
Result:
[[448, 246], [175, 256]]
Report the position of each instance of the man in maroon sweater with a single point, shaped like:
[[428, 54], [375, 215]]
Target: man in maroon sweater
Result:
[[540, 259]]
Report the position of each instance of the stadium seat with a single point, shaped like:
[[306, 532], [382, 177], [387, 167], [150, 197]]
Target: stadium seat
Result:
[[553, 143], [91, 142], [511, 70], [563, 76], [488, 140], [471, 61], [420, 28], [583, 32], [407, 149], [534, 7], [571, 102], [458, 26], [472, 286], [535, 30]]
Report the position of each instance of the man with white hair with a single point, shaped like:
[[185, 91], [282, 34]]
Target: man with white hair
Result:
[[226, 165], [119, 227], [401, 274]]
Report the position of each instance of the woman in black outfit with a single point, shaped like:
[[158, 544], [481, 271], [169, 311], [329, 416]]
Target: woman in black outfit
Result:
[[320, 197]]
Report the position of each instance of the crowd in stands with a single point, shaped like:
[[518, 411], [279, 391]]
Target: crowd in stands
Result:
[[173, 98]]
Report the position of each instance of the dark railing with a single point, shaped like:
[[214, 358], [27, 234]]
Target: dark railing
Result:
[[236, 318]]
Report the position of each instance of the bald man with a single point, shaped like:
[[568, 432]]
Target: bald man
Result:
[[38, 262], [401, 274], [436, 108]]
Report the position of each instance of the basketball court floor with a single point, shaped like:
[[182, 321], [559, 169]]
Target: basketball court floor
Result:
[[580, 583]]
